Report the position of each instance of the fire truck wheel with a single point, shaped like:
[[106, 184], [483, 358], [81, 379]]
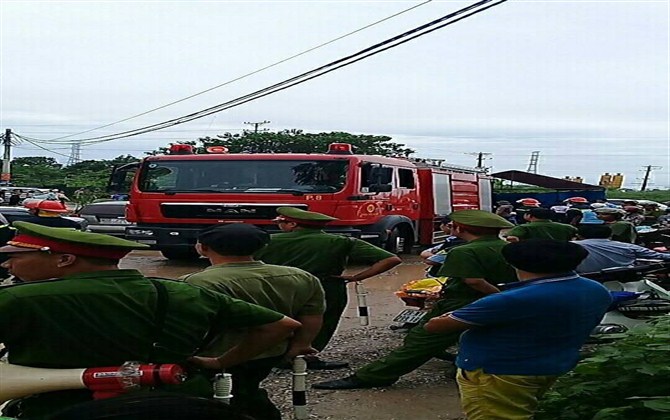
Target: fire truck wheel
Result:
[[180, 254], [398, 241]]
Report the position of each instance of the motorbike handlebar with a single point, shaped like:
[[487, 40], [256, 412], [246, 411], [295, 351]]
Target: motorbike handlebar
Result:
[[636, 271]]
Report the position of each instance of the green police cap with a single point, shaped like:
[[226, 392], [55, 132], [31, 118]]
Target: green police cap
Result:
[[292, 214], [33, 237], [480, 218]]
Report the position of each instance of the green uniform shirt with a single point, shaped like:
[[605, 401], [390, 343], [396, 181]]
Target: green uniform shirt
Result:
[[544, 229], [287, 290], [623, 231], [106, 318], [322, 254], [480, 258]]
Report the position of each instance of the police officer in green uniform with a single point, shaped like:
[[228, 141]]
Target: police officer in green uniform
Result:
[[540, 226], [304, 244], [77, 309], [287, 290], [622, 230], [474, 269]]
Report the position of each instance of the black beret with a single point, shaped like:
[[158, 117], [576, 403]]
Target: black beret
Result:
[[544, 255], [235, 239], [445, 220]]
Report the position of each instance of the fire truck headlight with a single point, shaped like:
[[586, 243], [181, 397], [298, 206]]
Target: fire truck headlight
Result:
[[139, 232]]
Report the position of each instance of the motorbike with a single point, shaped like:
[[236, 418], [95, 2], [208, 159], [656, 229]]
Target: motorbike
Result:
[[655, 237], [640, 293], [418, 296]]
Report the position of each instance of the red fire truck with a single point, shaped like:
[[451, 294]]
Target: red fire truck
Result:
[[391, 202]]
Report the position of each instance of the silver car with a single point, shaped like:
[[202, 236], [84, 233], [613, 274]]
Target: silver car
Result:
[[108, 217]]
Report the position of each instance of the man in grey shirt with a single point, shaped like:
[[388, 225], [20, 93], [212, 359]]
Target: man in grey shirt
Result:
[[606, 253]]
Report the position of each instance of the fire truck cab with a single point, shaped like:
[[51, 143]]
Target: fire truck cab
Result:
[[392, 202]]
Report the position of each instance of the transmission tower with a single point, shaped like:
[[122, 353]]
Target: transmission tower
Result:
[[75, 154], [532, 165]]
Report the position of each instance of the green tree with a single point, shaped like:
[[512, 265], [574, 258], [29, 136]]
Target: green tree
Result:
[[36, 171], [45, 172], [93, 175], [624, 380], [297, 141]]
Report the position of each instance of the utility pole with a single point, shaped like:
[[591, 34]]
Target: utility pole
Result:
[[480, 158], [257, 124], [648, 170], [6, 176], [532, 165]]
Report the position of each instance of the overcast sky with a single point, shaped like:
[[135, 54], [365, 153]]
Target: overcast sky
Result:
[[586, 83]]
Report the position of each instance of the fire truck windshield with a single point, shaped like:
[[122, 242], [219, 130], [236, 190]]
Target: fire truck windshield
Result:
[[244, 176]]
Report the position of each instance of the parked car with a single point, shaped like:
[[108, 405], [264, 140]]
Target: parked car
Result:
[[12, 214], [108, 217]]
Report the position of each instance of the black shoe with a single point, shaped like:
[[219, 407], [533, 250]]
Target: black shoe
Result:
[[449, 357], [317, 364], [350, 382]]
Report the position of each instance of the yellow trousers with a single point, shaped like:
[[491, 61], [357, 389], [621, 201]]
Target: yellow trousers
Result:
[[505, 397]]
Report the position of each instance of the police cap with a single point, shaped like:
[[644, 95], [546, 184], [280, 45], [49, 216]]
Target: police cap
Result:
[[292, 214], [238, 239], [480, 218], [33, 237]]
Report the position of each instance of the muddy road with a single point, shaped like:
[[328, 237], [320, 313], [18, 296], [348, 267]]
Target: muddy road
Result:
[[428, 393]]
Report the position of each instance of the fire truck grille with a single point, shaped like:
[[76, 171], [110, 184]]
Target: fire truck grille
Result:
[[219, 211]]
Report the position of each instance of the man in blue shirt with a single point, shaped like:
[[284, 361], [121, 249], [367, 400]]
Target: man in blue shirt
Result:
[[520, 340], [606, 253]]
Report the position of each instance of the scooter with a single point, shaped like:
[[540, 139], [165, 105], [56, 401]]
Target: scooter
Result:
[[419, 296], [640, 293]]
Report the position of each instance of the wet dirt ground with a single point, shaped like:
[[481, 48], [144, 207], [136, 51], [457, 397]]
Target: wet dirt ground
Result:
[[428, 393]]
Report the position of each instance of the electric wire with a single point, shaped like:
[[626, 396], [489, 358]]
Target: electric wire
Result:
[[42, 147], [249, 74], [320, 71]]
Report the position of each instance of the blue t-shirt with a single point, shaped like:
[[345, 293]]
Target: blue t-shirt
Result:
[[533, 328], [590, 218]]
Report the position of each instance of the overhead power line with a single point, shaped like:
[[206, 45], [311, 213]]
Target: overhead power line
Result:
[[248, 74], [304, 77], [36, 144]]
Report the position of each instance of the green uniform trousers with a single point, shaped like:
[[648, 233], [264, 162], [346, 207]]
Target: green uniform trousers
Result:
[[418, 347], [248, 397], [336, 302]]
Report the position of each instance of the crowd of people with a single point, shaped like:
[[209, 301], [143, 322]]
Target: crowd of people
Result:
[[16, 196], [513, 300]]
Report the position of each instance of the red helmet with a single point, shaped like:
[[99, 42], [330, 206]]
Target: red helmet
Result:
[[50, 205], [632, 209], [30, 203], [529, 202], [576, 200]]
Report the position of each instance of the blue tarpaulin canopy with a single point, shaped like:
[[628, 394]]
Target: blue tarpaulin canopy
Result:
[[563, 188], [544, 181]]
